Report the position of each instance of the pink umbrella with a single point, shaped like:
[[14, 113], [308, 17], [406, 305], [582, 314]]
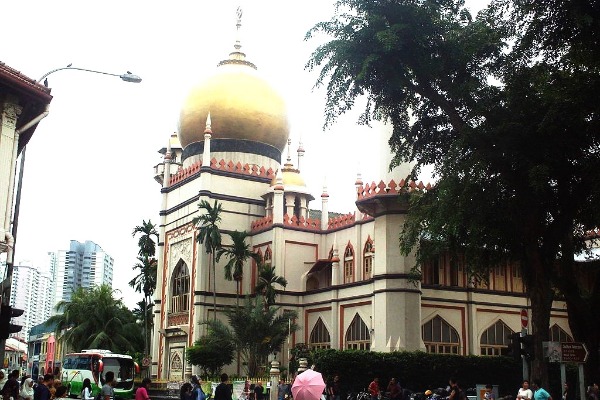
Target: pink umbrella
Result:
[[308, 385]]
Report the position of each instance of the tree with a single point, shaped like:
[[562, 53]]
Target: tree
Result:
[[211, 353], [515, 157], [145, 281], [255, 331], [209, 234], [237, 254], [146, 243], [95, 319], [267, 279]]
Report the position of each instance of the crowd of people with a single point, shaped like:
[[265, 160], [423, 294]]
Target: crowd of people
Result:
[[13, 386]]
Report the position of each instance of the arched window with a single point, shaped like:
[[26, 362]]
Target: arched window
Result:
[[348, 264], [368, 253], [319, 337], [357, 335], [440, 337], [558, 334], [495, 341], [180, 288], [268, 256]]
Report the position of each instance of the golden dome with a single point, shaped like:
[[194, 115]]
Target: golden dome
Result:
[[241, 104], [290, 177]]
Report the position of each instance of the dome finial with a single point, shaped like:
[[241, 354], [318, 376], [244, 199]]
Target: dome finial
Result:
[[208, 129], [237, 56], [238, 25], [289, 156]]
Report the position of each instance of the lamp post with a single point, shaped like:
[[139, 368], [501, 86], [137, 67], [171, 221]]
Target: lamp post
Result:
[[6, 284], [127, 77]]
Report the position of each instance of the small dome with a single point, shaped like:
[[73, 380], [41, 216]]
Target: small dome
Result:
[[241, 104], [290, 178]]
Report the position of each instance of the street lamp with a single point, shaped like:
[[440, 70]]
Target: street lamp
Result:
[[127, 77], [5, 285]]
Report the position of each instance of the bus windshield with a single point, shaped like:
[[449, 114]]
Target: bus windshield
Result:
[[123, 368]]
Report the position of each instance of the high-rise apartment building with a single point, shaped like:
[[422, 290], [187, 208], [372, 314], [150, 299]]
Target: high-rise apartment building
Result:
[[83, 265], [32, 292]]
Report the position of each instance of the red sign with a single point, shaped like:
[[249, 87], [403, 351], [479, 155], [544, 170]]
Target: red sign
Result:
[[524, 318], [573, 352]]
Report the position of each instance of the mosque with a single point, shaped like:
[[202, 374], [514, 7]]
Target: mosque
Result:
[[347, 280]]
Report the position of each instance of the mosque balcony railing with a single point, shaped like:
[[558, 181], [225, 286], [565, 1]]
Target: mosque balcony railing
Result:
[[391, 188]]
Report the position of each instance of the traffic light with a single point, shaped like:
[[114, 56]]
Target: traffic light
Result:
[[515, 346], [521, 346], [528, 349], [6, 328]]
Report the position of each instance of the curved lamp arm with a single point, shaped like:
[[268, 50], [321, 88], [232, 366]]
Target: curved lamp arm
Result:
[[127, 77]]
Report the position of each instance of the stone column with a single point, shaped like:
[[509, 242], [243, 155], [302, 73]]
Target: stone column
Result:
[[274, 373]]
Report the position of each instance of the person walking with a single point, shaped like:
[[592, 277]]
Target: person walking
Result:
[[525, 393], [394, 391], [489, 392], [456, 393], [42, 390], [568, 394], [86, 390], [334, 390], [373, 389], [61, 392], [258, 391], [223, 391], [197, 392], [108, 391], [142, 392], [26, 392], [539, 392], [593, 392], [11, 387]]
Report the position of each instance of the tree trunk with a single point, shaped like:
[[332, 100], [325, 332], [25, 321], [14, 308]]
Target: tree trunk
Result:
[[539, 286], [214, 284]]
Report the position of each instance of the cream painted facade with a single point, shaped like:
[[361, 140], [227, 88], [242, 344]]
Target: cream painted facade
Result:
[[346, 277]]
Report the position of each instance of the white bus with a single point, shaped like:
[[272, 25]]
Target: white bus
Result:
[[94, 364]]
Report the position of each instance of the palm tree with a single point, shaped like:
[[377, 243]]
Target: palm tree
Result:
[[267, 279], [95, 319], [145, 282], [237, 254], [146, 243], [209, 234], [256, 333]]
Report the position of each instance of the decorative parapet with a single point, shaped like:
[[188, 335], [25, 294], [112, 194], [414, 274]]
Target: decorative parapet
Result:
[[178, 319], [302, 223], [261, 223], [183, 173], [342, 220], [239, 168], [222, 165], [373, 189]]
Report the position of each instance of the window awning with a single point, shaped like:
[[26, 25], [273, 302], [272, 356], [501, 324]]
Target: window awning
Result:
[[320, 265]]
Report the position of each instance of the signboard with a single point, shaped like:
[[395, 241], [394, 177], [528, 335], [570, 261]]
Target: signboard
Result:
[[573, 352], [524, 318]]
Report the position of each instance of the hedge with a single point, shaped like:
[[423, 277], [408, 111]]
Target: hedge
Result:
[[417, 371]]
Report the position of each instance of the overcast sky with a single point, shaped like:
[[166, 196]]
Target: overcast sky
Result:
[[89, 165]]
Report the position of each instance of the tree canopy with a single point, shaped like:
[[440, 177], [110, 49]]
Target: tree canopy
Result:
[[256, 331], [504, 107], [95, 319]]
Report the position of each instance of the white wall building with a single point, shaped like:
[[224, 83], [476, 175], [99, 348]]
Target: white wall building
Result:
[[83, 265], [31, 292]]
